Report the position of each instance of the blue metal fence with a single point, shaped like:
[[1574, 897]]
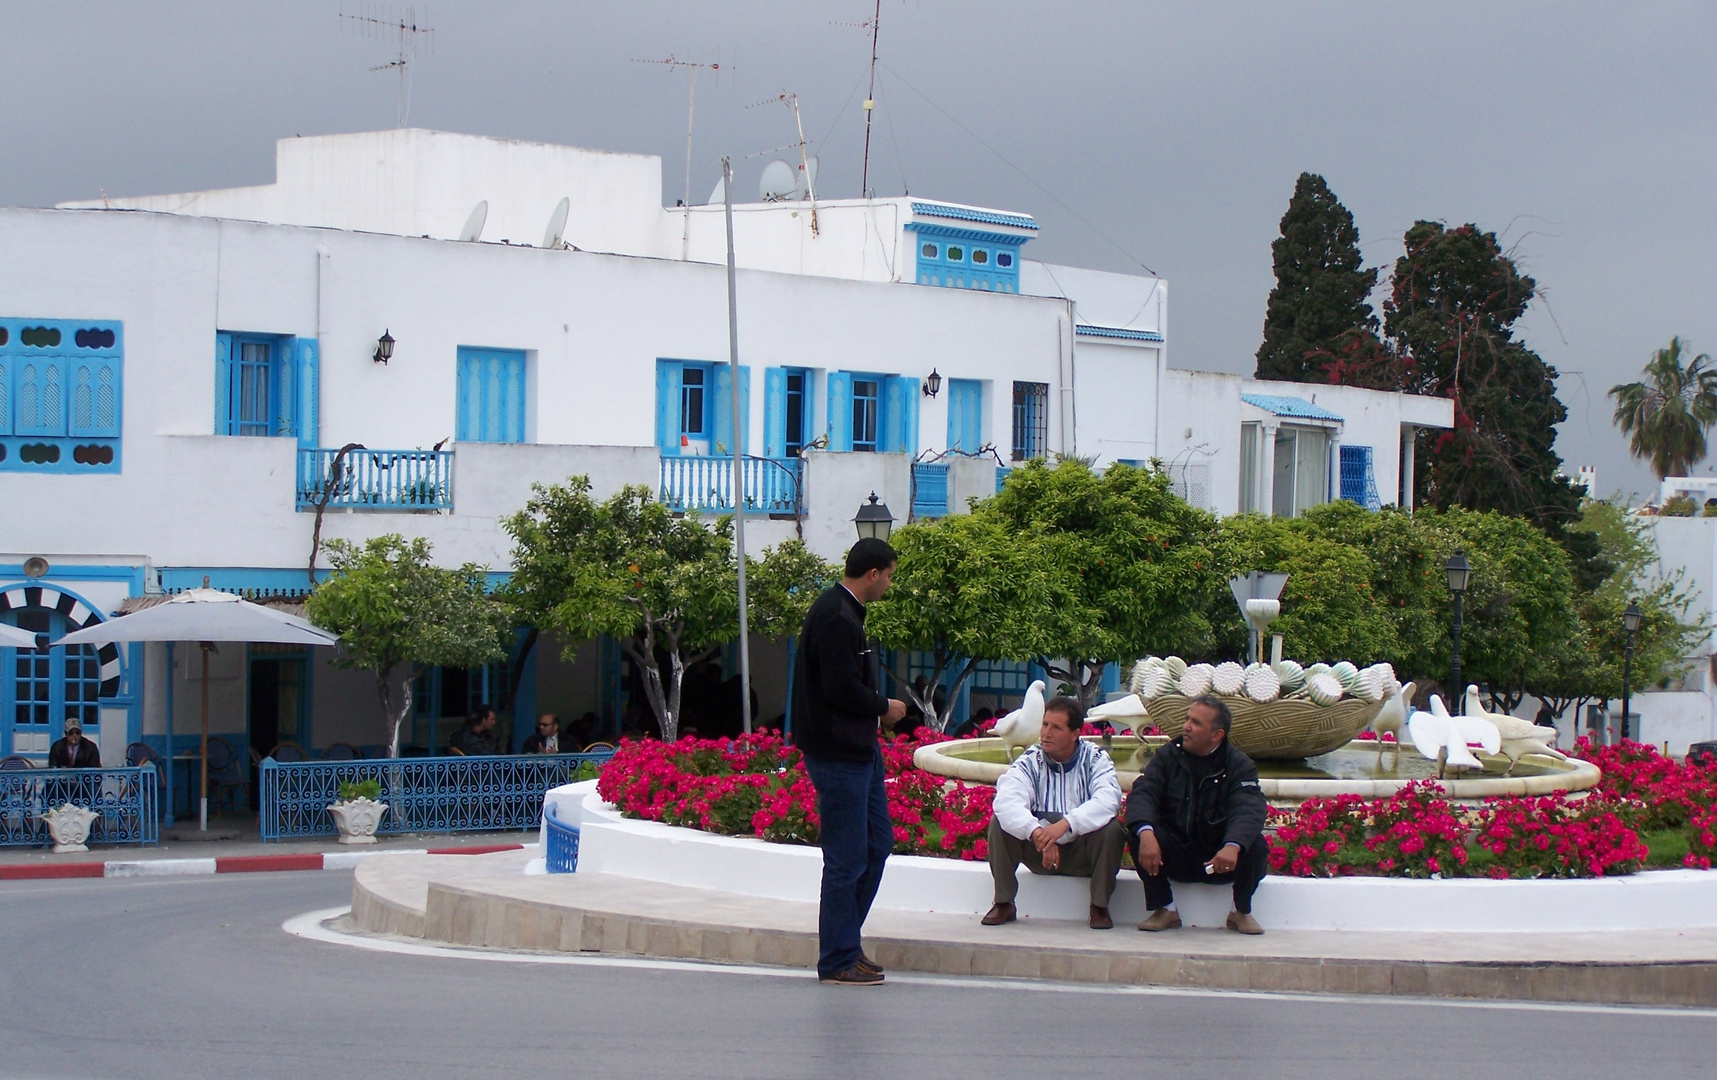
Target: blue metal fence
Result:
[[376, 479], [424, 795], [126, 798], [772, 485], [561, 856], [929, 491]]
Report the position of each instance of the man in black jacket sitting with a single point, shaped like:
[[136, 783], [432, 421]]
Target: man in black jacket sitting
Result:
[[837, 706], [1197, 814]]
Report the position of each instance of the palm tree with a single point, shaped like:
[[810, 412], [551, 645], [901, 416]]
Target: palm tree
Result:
[[1668, 414]]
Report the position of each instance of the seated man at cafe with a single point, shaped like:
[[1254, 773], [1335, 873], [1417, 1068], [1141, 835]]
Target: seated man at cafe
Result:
[[546, 738], [74, 751], [1055, 811], [476, 737], [1197, 814]]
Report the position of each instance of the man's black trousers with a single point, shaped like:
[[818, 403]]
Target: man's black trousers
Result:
[[1182, 862]]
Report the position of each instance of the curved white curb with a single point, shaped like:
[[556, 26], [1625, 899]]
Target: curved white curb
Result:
[[1660, 900]]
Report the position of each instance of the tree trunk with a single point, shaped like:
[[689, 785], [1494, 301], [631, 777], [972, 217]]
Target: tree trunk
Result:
[[1086, 675], [390, 720], [945, 721]]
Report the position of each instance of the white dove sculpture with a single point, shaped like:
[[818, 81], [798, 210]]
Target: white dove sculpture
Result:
[[1444, 739], [1392, 718], [1519, 737], [1024, 726], [1128, 711]]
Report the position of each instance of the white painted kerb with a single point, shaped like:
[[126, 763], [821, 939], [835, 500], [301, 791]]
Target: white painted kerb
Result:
[[1665, 899]]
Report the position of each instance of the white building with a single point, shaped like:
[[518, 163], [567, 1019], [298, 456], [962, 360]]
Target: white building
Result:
[[178, 373]]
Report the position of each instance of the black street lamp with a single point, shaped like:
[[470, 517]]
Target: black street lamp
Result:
[[1630, 622], [1459, 574], [384, 348], [933, 383], [874, 520]]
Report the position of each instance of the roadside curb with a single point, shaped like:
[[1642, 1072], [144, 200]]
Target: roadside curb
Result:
[[228, 864]]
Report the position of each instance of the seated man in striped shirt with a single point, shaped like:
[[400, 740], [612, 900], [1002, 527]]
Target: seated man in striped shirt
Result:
[[1055, 811]]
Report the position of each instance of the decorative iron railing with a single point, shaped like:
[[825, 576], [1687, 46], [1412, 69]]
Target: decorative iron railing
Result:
[[424, 795], [929, 491], [772, 485], [561, 854], [126, 798], [376, 479]]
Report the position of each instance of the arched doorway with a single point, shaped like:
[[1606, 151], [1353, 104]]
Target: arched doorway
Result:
[[41, 687]]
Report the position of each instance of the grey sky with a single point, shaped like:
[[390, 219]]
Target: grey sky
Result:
[[1582, 132]]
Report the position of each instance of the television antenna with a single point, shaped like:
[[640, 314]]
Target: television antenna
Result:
[[807, 175], [410, 38], [674, 63], [873, 24]]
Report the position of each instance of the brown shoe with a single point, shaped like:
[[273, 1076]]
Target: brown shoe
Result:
[[1242, 922], [1000, 912], [1161, 919], [854, 976], [1100, 918], [865, 963]]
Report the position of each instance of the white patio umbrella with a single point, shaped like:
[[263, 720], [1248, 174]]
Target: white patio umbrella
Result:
[[18, 639], [205, 616]]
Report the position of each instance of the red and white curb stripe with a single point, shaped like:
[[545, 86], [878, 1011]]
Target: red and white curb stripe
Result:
[[227, 864]]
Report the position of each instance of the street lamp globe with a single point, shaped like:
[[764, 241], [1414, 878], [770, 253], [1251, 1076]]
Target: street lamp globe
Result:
[[1631, 618], [1459, 572], [874, 520]]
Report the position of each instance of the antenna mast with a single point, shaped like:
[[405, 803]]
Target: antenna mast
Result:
[[671, 63], [406, 32], [870, 101], [792, 102]]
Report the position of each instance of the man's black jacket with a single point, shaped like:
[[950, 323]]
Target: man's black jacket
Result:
[[836, 704], [1228, 806], [61, 755]]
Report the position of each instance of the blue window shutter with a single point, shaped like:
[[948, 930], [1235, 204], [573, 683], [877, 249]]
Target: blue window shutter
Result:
[[840, 410], [720, 408], [891, 416], [909, 389], [468, 389], [965, 415], [774, 412], [668, 406], [306, 414], [5, 395], [97, 396], [283, 394], [491, 385], [745, 408], [512, 365], [223, 384]]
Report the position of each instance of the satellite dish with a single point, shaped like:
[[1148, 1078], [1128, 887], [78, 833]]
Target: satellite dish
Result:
[[717, 196], [779, 182], [474, 224], [556, 223], [804, 189]]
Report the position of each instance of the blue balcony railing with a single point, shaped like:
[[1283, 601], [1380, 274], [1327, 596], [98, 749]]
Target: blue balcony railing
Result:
[[424, 795], [376, 479], [929, 491], [772, 485], [126, 798]]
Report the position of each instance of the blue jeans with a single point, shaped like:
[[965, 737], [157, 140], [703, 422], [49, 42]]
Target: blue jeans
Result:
[[857, 836]]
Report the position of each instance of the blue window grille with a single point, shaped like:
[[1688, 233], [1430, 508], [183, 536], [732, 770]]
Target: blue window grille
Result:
[[426, 795], [126, 800], [959, 258], [1001, 677], [965, 415], [1358, 482], [1031, 420], [61, 396], [1002, 474], [866, 395], [491, 395], [929, 491], [257, 384]]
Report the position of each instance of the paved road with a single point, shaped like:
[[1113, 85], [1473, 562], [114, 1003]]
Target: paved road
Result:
[[194, 978]]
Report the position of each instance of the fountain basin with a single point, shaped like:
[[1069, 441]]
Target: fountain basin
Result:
[[1356, 768]]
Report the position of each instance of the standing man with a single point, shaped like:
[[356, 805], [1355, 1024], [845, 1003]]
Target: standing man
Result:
[[1055, 811], [1197, 814], [837, 707]]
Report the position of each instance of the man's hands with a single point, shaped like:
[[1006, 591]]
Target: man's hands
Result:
[[1045, 838], [1225, 860], [1150, 854], [896, 711]]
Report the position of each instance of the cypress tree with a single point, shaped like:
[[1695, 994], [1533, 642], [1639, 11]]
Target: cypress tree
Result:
[[1318, 320]]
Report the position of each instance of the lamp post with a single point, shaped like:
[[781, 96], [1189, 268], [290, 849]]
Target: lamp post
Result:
[[874, 520], [1459, 574], [1630, 622]]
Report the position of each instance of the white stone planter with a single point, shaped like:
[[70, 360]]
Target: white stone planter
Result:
[[69, 826], [357, 819]]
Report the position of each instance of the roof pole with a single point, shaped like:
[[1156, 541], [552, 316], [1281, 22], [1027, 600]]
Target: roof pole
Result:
[[738, 448]]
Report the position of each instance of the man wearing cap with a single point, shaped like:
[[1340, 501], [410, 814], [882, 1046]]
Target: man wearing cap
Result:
[[74, 751]]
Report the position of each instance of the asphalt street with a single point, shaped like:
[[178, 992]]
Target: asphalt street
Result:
[[194, 977]]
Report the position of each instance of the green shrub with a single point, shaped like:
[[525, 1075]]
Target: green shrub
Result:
[[360, 789], [1678, 506]]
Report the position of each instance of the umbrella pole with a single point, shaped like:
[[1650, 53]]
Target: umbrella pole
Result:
[[203, 789]]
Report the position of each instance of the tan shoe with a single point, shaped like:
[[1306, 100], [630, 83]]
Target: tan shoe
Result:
[[1242, 922], [1161, 919], [1000, 912], [1100, 919]]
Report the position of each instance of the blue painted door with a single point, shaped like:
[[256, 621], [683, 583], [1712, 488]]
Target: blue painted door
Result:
[[965, 415], [491, 395], [39, 688]]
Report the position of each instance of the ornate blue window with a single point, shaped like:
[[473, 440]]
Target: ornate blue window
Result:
[[959, 257], [62, 402], [491, 395]]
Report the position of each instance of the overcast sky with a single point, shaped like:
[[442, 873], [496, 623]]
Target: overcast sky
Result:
[[1582, 133]]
